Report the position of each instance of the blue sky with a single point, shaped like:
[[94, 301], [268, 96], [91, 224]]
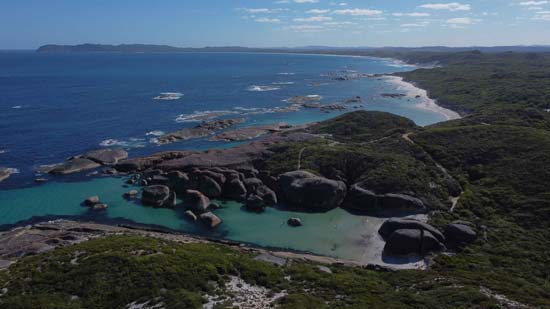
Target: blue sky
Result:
[[269, 23]]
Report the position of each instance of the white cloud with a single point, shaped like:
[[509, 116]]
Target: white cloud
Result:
[[453, 6], [358, 12], [414, 14], [313, 19], [463, 21], [317, 11], [268, 20], [533, 3]]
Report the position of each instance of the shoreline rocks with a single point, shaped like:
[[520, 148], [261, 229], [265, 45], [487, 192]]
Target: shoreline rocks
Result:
[[308, 191], [412, 241], [158, 196], [362, 199], [248, 133], [202, 130], [4, 174]]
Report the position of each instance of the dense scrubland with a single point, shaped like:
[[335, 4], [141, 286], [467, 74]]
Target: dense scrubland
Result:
[[499, 155]]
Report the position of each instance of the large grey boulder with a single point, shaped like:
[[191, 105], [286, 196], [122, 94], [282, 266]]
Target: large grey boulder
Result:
[[235, 189], [210, 219], [305, 190], [91, 201], [255, 203], [394, 224], [197, 201], [268, 196], [74, 165], [460, 232], [107, 156], [412, 241], [209, 186], [158, 196]]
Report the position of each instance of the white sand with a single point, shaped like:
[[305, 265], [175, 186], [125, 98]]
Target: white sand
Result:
[[426, 102]]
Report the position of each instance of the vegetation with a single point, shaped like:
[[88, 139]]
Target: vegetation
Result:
[[499, 156]]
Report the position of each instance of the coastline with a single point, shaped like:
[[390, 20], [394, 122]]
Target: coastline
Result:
[[427, 103]]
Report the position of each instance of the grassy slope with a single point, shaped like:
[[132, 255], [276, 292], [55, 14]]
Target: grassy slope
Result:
[[500, 155]]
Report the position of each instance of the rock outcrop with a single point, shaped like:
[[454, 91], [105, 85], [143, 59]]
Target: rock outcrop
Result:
[[394, 224], [91, 201], [107, 156], [294, 222], [74, 165], [412, 241], [248, 133], [202, 130], [362, 199], [197, 201], [460, 233], [308, 191]]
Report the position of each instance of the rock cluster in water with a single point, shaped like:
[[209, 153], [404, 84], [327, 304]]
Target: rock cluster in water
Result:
[[87, 161], [202, 130], [4, 174]]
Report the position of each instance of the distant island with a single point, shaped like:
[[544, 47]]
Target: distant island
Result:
[[150, 48]]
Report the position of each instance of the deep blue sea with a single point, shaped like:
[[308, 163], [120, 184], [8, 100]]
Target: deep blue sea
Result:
[[53, 106]]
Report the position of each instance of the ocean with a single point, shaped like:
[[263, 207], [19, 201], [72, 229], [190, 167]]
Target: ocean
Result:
[[54, 106]]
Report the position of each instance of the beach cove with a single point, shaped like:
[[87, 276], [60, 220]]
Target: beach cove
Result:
[[345, 235]]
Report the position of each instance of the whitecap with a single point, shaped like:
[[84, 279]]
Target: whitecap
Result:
[[284, 83], [12, 170], [255, 88], [169, 96], [3, 151], [154, 133], [109, 143], [198, 116], [17, 107], [286, 73]]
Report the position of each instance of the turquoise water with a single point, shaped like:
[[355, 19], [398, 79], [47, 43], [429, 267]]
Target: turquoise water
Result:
[[335, 233], [54, 106]]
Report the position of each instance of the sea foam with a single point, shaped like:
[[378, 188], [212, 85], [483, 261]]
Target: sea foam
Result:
[[169, 96], [255, 88]]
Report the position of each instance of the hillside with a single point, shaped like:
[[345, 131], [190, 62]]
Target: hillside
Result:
[[497, 159]]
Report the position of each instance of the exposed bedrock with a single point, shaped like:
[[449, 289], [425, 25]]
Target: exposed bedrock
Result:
[[362, 199], [202, 130], [308, 191], [87, 161]]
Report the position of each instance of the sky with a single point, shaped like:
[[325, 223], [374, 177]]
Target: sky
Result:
[[28, 24]]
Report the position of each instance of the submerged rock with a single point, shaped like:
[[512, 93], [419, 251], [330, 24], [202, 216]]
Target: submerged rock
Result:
[[131, 194], [412, 241], [99, 207], [306, 190], [91, 201], [210, 219], [294, 222], [158, 196], [108, 156]]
